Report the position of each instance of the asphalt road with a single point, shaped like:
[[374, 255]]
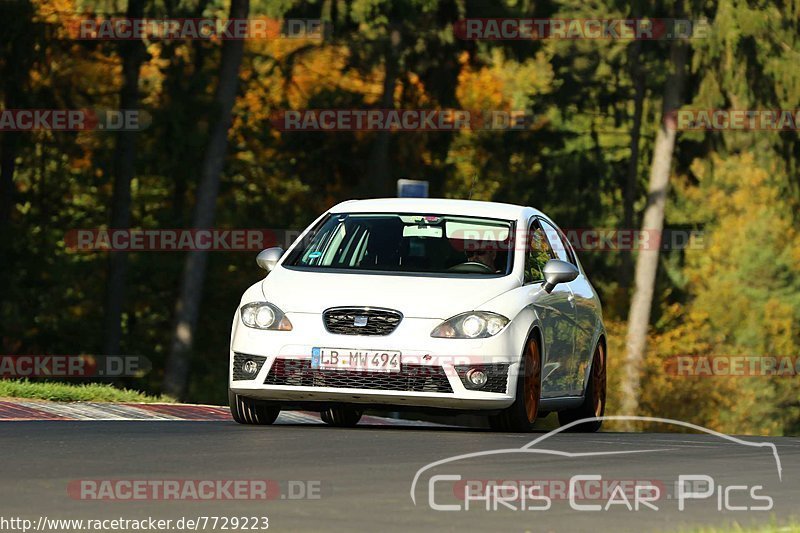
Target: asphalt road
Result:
[[361, 478]]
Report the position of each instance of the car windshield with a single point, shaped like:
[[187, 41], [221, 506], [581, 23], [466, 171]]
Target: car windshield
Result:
[[408, 243]]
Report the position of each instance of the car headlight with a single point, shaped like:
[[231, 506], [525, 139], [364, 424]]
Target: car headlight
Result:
[[264, 315], [471, 325]]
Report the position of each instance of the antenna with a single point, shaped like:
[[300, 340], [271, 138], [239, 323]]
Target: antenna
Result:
[[472, 188]]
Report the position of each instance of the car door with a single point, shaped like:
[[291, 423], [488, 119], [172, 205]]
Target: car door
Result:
[[556, 311], [583, 302]]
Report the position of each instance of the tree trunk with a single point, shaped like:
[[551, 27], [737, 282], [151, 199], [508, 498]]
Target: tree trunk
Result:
[[652, 224], [188, 92], [633, 162], [18, 42], [375, 181], [629, 196], [188, 305], [8, 156], [132, 53]]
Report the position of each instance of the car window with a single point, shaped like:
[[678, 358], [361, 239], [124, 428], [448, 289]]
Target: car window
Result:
[[537, 254], [559, 243], [408, 242]]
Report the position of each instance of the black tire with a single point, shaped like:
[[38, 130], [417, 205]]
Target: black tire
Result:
[[341, 416], [250, 411], [521, 415], [594, 398]]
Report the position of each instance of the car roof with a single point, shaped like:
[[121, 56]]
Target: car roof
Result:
[[440, 206]]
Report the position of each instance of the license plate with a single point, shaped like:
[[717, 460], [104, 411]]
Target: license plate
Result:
[[355, 360]]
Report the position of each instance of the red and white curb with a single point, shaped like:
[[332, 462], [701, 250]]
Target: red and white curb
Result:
[[25, 410]]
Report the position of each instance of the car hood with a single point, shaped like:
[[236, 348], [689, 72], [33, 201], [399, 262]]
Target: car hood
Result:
[[303, 291]]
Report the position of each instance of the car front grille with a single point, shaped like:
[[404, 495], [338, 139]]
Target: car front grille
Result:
[[413, 378], [238, 361], [361, 320], [497, 376]]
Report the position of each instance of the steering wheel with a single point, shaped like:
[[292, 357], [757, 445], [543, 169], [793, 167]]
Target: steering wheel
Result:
[[473, 267]]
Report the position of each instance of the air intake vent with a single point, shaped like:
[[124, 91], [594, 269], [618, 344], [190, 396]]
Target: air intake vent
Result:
[[414, 378]]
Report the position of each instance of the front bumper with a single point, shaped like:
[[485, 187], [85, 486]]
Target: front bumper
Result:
[[431, 374]]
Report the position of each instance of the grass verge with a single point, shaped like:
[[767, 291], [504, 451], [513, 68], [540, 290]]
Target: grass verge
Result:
[[68, 392], [791, 527]]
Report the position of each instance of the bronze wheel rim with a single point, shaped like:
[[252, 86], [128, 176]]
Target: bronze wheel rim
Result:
[[599, 381], [532, 380]]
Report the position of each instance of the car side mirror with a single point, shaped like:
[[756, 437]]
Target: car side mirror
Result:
[[556, 271], [267, 259]]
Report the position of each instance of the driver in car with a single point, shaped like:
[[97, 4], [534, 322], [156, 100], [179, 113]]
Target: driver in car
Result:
[[486, 257]]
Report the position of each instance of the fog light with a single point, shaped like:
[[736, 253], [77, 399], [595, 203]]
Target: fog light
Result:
[[477, 378], [249, 368]]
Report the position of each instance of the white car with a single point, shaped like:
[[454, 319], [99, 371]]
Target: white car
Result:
[[421, 304]]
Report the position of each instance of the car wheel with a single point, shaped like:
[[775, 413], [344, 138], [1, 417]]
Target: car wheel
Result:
[[521, 415], [250, 411], [346, 417], [594, 398]]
